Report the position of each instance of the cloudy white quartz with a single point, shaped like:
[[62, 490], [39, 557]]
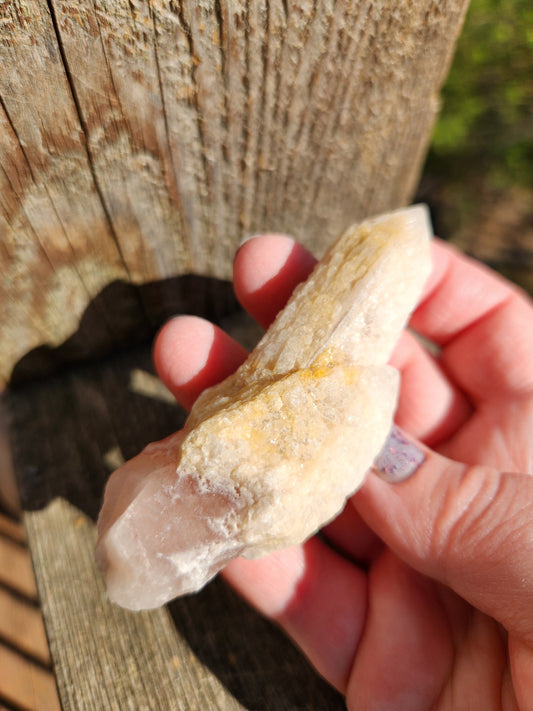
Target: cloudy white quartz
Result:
[[270, 455]]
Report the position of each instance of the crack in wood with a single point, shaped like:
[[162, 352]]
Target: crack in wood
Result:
[[16, 135], [186, 235], [86, 135], [162, 130], [191, 40], [91, 164], [248, 128], [347, 72], [28, 164], [225, 49]]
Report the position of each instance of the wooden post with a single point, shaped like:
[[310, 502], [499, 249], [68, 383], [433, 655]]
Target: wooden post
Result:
[[141, 140]]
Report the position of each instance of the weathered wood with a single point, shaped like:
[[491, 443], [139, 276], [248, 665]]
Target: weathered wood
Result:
[[26, 685], [57, 244], [9, 496], [26, 679], [207, 651], [12, 529], [15, 569], [140, 140], [22, 626]]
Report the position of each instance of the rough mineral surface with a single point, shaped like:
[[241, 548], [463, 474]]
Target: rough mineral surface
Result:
[[270, 455]]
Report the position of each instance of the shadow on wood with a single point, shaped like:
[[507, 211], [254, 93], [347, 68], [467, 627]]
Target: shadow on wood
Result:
[[68, 431], [252, 659], [71, 429], [124, 315]]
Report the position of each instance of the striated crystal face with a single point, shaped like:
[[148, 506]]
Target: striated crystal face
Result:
[[270, 455]]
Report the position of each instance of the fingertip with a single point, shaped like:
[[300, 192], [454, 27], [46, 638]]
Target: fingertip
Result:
[[191, 354], [458, 293], [266, 270], [430, 406], [259, 258], [181, 349]]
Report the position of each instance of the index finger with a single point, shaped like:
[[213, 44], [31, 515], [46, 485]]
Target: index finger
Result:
[[483, 323]]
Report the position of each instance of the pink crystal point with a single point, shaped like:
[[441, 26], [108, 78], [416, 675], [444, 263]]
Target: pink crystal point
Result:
[[156, 534]]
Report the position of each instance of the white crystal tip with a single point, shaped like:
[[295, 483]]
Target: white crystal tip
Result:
[[415, 218]]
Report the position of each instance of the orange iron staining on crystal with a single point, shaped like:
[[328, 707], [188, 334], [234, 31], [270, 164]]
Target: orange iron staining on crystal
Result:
[[270, 455]]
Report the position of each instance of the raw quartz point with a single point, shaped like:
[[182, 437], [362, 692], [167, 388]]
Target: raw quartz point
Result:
[[270, 455]]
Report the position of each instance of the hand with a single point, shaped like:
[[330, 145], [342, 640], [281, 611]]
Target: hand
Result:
[[420, 594]]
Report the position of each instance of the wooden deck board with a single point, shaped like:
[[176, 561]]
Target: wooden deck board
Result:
[[26, 684], [26, 678], [205, 651], [16, 569], [21, 625], [12, 529]]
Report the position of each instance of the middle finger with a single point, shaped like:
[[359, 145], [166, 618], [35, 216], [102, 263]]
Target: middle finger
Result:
[[430, 406]]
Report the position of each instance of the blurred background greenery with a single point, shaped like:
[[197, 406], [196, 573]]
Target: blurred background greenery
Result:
[[478, 177]]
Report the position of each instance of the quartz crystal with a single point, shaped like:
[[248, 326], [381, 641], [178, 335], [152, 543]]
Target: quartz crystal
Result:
[[270, 455]]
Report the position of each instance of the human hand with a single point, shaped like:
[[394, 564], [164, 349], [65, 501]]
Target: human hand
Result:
[[420, 594]]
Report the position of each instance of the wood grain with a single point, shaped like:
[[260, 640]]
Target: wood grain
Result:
[[26, 680], [57, 244], [141, 140], [207, 651], [22, 626], [26, 685], [12, 529], [9, 496], [15, 568]]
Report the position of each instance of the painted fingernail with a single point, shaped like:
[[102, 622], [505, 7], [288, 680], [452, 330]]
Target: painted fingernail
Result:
[[399, 459]]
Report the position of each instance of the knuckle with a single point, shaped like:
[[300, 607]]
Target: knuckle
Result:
[[472, 520]]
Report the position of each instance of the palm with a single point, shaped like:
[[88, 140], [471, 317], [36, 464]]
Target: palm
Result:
[[462, 651], [376, 628], [475, 640], [462, 656], [451, 652], [419, 629]]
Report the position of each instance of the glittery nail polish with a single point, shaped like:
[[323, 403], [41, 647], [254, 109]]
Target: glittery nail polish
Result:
[[399, 458]]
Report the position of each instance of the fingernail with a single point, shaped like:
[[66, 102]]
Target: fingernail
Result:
[[399, 459]]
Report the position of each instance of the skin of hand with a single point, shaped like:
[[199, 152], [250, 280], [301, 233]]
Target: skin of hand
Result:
[[420, 594]]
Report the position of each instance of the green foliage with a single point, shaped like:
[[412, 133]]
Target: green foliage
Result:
[[486, 123]]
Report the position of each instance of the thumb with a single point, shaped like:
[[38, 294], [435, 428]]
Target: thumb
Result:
[[468, 527]]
